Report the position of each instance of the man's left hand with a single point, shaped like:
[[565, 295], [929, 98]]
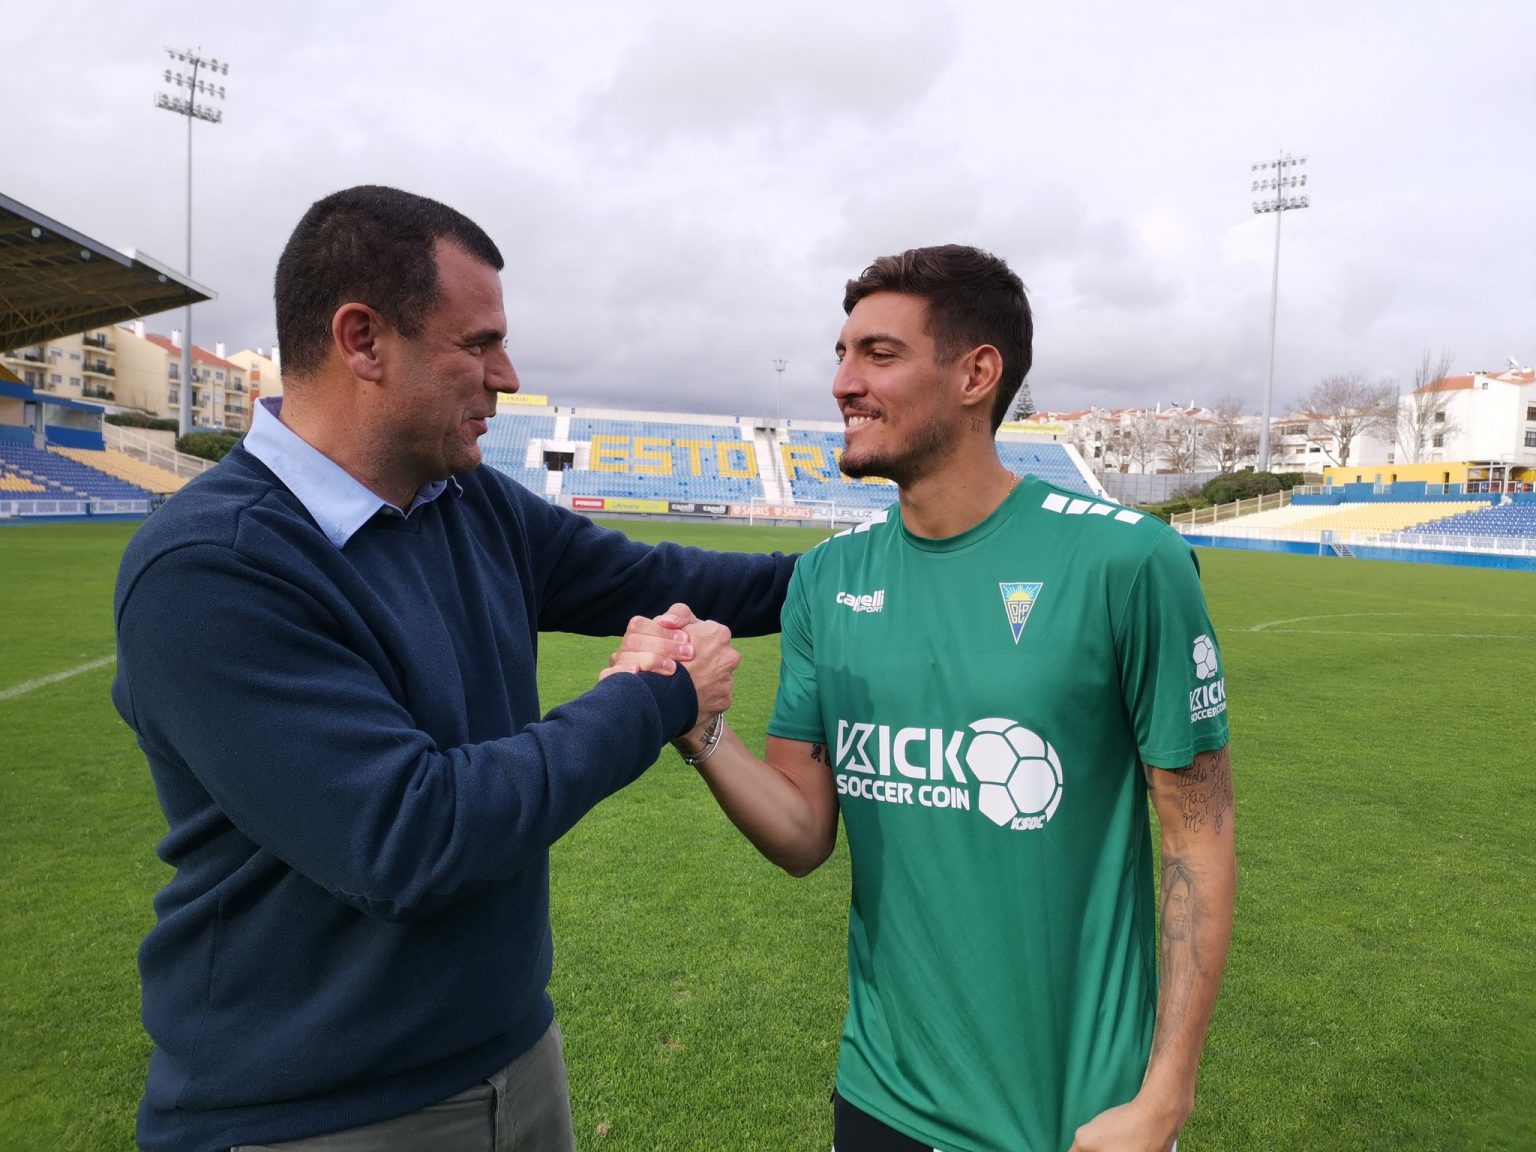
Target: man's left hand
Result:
[[1130, 1127]]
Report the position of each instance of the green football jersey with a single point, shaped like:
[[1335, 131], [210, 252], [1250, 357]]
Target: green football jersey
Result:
[[986, 702]]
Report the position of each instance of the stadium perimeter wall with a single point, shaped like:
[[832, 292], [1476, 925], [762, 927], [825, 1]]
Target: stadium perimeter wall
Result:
[[1370, 552]]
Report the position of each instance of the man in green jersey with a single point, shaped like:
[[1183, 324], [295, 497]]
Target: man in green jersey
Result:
[[987, 682]]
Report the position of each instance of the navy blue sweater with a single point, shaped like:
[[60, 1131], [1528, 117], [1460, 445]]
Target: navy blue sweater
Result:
[[360, 790]]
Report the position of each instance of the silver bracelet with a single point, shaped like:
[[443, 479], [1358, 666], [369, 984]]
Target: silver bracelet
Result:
[[712, 736]]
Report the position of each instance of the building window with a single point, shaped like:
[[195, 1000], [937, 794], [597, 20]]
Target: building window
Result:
[[175, 370], [1439, 440], [1530, 439], [1530, 411], [74, 381], [174, 397], [56, 379], [74, 356], [219, 376], [1439, 417]]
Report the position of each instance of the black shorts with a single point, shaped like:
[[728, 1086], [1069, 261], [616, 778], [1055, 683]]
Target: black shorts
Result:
[[856, 1131]]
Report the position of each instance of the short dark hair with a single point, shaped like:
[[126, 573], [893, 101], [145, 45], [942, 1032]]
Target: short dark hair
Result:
[[973, 298], [370, 244]]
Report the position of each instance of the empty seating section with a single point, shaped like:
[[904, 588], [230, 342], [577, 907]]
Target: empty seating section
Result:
[[809, 463], [532, 479], [126, 468], [1515, 520], [1385, 517], [1050, 462], [505, 443], [63, 478], [649, 459], [10, 482]]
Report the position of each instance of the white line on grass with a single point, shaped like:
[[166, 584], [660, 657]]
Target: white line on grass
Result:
[[44, 681], [1278, 626]]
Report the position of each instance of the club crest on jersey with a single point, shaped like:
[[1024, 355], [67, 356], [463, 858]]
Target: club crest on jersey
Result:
[[1019, 602]]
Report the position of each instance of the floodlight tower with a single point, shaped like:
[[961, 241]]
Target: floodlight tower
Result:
[[1283, 178], [188, 106], [778, 399]]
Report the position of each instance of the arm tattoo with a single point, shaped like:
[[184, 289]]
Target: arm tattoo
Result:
[[1179, 950], [818, 753], [1205, 791]]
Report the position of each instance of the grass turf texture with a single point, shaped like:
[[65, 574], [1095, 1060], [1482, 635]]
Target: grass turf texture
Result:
[[1380, 994]]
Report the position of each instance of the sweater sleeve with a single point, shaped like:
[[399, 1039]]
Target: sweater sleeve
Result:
[[241, 678], [592, 580]]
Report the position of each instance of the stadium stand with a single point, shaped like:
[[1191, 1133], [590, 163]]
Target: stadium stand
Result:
[[650, 459], [64, 478], [1507, 520], [127, 469], [810, 461], [1050, 462], [1383, 517]]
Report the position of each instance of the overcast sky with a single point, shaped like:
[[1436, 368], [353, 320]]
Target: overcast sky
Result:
[[681, 189]]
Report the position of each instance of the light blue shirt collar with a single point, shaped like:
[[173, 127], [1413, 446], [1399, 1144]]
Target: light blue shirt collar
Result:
[[331, 494]]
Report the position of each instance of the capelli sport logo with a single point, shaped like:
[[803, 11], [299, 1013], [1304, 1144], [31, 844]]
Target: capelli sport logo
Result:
[[872, 602]]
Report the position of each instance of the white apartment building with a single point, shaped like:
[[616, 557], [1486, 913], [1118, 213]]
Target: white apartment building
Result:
[[127, 369], [1477, 416]]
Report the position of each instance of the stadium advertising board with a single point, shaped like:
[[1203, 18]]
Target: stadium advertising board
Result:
[[616, 504], [696, 508]]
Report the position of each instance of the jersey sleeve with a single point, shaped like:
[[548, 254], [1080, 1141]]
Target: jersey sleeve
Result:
[[1171, 674], [797, 709]]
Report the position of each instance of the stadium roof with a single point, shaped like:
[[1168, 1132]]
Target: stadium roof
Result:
[[55, 282]]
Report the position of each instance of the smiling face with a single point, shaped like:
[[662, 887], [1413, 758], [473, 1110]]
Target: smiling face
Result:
[[446, 378], [900, 419]]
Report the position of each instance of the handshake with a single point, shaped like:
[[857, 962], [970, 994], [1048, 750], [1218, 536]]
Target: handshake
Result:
[[676, 637]]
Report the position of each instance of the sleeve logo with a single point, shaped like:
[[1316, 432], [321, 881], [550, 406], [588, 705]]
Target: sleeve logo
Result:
[[1205, 657]]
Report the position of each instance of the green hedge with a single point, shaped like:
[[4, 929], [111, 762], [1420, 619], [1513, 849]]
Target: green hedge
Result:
[[208, 445], [134, 420]]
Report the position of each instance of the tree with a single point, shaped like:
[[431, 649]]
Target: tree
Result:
[[1231, 440], [1346, 407], [1423, 415], [1142, 440], [1177, 442], [1023, 403]]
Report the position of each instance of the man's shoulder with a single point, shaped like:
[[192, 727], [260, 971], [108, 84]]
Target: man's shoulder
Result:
[[1100, 523], [208, 510], [848, 547]]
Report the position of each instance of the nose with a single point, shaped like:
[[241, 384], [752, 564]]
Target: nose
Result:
[[846, 383], [500, 376]]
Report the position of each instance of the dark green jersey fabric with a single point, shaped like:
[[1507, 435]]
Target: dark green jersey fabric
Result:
[[987, 701]]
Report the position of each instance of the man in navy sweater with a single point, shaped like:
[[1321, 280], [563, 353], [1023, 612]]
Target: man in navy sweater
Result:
[[326, 646]]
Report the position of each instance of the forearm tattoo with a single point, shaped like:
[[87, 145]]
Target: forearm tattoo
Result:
[[1179, 949], [1205, 791]]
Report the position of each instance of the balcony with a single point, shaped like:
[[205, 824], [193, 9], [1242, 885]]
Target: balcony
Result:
[[33, 355], [98, 342], [99, 368], [97, 393]]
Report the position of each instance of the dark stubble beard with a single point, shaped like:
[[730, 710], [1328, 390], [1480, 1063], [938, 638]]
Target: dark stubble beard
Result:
[[933, 445]]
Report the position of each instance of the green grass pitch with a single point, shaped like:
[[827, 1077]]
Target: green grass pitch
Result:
[[1381, 992]]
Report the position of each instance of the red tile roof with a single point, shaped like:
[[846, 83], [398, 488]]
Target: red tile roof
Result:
[[199, 353]]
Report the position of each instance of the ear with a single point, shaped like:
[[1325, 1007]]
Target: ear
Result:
[[357, 333], [983, 369]]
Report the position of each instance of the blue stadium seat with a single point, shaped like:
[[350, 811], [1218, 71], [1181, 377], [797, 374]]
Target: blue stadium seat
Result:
[[1511, 520], [63, 478]]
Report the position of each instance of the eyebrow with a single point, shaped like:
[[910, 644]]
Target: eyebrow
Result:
[[865, 343], [484, 335]]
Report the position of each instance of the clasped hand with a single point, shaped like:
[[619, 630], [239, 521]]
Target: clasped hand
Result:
[[676, 637]]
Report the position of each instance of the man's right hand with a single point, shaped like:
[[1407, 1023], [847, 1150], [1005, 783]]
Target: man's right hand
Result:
[[650, 645]]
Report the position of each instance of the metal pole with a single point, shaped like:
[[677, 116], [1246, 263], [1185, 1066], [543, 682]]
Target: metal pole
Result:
[[778, 397], [1279, 183], [184, 416], [1269, 379], [189, 108]]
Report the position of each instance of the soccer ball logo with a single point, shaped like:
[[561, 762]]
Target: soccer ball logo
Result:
[[1018, 773], [1205, 657]]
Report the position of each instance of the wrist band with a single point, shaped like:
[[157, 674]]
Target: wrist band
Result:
[[712, 736]]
